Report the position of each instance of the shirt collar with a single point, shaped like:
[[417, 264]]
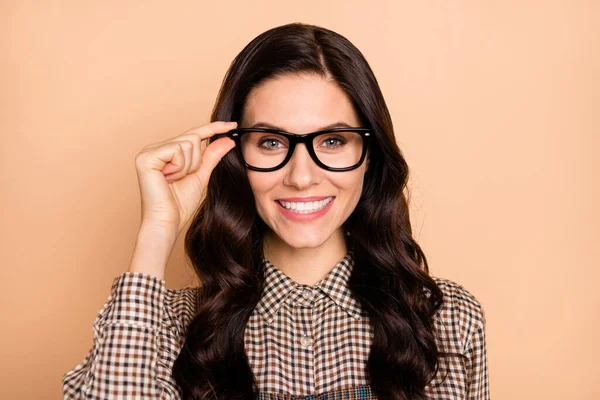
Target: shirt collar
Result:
[[278, 286]]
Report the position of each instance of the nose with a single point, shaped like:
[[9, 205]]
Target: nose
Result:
[[302, 172]]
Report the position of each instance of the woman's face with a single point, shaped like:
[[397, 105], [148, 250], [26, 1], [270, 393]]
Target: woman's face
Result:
[[303, 104]]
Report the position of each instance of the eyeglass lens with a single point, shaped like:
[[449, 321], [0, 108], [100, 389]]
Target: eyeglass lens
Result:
[[334, 149]]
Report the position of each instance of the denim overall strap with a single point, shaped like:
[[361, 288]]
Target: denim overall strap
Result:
[[362, 392]]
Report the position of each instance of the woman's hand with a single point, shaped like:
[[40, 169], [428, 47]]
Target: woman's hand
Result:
[[173, 175]]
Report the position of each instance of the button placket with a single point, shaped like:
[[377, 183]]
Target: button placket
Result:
[[304, 299], [307, 294], [306, 341]]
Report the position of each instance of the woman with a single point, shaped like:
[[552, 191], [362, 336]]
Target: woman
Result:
[[312, 284]]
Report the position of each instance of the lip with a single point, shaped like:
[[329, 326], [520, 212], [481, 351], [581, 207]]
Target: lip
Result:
[[305, 199], [292, 216]]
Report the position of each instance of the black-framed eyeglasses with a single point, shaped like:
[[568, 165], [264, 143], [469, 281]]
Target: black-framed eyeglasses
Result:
[[265, 150]]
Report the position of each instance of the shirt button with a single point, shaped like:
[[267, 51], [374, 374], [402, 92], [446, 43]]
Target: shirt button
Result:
[[307, 294], [306, 341]]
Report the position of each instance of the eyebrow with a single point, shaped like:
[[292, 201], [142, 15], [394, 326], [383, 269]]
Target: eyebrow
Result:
[[323, 128]]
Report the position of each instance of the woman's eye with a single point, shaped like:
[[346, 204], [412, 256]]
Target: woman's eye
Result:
[[270, 143], [333, 142]]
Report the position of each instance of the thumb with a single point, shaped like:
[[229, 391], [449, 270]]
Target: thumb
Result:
[[211, 156]]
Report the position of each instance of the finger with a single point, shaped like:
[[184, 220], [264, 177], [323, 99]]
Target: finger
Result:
[[213, 128], [199, 145], [174, 173], [157, 158], [211, 157], [203, 132], [196, 152]]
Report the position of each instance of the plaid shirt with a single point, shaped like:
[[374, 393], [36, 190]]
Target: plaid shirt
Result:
[[303, 342]]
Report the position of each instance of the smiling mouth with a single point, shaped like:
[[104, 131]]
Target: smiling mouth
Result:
[[306, 207]]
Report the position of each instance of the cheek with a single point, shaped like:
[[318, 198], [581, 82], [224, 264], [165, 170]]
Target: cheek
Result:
[[262, 185], [350, 184], [355, 193]]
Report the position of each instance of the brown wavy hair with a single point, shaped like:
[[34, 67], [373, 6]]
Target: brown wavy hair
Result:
[[225, 239]]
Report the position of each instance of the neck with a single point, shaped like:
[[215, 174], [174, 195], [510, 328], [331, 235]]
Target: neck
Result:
[[305, 265]]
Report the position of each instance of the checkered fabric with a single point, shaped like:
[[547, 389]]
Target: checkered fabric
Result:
[[305, 339], [302, 341], [362, 392]]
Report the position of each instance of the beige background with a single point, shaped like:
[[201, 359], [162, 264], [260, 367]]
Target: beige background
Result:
[[495, 104]]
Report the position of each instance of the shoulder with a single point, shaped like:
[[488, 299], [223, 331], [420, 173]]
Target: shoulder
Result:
[[460, 299], [460, 317]]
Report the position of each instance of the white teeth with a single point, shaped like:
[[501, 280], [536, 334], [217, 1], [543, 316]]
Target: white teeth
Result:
[[305, 208]]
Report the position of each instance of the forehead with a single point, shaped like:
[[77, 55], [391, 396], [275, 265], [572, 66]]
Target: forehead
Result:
[[298, 103]]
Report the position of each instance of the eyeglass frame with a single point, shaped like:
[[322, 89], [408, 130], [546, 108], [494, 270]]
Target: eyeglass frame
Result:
[[307, 139]]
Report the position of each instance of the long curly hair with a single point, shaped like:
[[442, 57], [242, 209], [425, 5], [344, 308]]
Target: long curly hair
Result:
[[225, 239]]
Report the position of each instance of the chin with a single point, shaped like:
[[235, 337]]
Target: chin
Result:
[[302, 240], [306, 245], [301, 237]]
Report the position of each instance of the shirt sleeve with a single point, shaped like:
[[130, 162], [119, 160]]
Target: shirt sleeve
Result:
[[461, 330], [138, 334], [477, 371]]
